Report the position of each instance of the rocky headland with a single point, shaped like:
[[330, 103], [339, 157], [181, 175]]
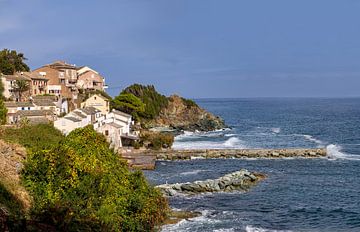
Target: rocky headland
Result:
[[241, 181], [185, 115]]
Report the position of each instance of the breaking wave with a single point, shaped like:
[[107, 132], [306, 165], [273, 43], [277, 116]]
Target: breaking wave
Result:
[[259, 229], [312, 139], [276, 130], [334, 152]]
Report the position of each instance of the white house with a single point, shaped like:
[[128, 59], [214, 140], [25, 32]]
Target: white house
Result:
[[77, 119]]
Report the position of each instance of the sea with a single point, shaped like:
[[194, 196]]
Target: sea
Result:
[[298, 194]]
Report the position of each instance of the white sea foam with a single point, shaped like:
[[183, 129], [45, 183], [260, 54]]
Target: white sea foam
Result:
[[334, 152], [276, 130], [259, 229], [312, 139], [230, 135], [232, 142], [186, 224], [195, 172]]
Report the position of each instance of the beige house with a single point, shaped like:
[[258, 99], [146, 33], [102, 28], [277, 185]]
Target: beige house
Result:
[[35, 116], [9, 81], [97, 101], [90, 79]]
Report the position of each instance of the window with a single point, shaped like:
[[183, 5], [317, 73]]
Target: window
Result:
[[106, 132], [94, 98]]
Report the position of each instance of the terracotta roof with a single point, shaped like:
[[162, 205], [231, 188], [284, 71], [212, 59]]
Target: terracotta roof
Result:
[[18, 104], [15, 77], [27, 113], [35, 76]]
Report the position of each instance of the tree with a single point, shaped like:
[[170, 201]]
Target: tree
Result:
[[11, 62], [154, 101], [129, 103], [20, 87], [82, 185], [3, 112]]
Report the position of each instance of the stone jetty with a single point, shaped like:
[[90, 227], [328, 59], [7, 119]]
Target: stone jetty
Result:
[[239, 153], [145, 159], [241, 180]]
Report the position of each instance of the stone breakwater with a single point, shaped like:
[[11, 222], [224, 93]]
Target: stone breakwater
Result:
[[241, 180], [238, 153]]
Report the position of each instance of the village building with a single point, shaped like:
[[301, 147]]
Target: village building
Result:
[[38, 84], [77, 119], [9, 83], [116, 126], [35, 116], [14, 107], [97, 101], [62, 78], [90, 79]]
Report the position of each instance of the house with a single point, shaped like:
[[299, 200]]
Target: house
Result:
[[90, 79], [77, 119], [51, 102], [10, 91], [68, 124], [116, 126], [14, 107], [62, 78], [38, 84], [35, 116], [97, 101]]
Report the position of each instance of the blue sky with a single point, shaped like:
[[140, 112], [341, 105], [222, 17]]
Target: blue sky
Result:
[[197, 48]]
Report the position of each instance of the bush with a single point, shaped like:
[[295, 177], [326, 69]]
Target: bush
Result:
[[157, 141], [33, 137], [3, 111], [83, 185], [154, 101]]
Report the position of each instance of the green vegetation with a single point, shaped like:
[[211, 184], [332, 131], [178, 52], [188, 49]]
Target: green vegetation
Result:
[[129, 103], [189, 103], [33, 137], [3, 112], [154, 102], [81, 184], [156, 140], [21, 86], [11, 61]]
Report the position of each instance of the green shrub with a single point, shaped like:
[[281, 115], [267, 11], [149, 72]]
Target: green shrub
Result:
[[157, 141], [82, 185], [189, 103], [154, 101], [3, 111], [33, 137]]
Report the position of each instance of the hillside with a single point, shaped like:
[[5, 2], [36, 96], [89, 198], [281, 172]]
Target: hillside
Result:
[[158, 110]]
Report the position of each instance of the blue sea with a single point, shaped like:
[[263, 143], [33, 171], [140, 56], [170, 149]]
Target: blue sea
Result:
[[298, 194]]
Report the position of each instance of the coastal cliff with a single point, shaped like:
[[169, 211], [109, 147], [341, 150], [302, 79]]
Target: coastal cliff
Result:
[[174, 113], [183, 114]]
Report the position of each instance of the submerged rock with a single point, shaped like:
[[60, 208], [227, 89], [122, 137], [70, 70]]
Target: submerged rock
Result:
[[240, 180]]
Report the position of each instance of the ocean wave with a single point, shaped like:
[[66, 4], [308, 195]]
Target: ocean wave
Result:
[[232, 142], [312, 139], [195, 172], [276, 130], [188, 224], [250, 228], [334, 152]]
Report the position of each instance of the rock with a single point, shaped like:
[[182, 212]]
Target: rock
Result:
[[240, 180]]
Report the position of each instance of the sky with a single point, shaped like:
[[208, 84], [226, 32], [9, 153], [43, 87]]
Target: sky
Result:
[[197, 48]]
